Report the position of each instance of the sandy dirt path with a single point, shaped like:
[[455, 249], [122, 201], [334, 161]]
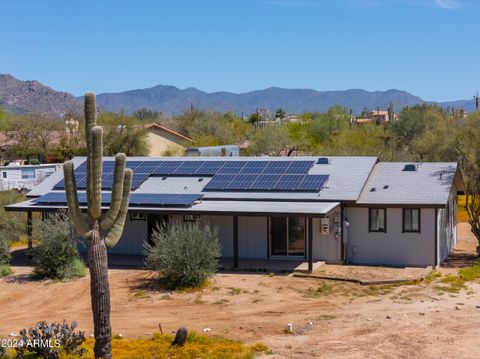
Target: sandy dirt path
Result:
[[415, 321]]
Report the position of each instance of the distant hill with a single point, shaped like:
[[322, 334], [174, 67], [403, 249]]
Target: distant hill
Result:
[[170, 99], [28, 96], [23, 97]]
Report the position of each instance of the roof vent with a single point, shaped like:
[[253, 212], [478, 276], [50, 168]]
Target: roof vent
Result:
[[323, 161], [200, 179], [385, 187], [410, 168], [373, 189]]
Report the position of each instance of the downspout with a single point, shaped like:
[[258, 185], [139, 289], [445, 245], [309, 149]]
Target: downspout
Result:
[[342, 246], [436, 238]]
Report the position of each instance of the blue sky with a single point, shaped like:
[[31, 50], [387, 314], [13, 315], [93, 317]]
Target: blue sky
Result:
[[427, 47]]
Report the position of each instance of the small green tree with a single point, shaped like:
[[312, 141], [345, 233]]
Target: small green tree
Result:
[[4, 256], [184, 255], [468, 146], [4, 249], [56, 255]]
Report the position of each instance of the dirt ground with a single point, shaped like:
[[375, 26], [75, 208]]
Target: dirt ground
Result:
[[330, 319]]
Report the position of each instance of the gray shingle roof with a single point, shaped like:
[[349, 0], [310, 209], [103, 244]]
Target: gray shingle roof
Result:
[[431, 183], [347, 176]]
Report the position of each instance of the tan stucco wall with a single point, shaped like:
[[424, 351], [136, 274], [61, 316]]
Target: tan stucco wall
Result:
[[161, 142]]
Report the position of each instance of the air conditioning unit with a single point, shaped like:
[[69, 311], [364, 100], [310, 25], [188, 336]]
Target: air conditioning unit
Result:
[[191, 217]]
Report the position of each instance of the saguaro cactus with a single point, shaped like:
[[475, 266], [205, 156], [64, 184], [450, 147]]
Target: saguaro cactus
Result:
[[100, 230]]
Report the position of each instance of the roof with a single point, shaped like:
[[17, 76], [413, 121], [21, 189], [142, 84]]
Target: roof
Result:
[[350, 179], [430, 184], [346, 177], [10, 138], [19, 167], [156, 126], [317, 209]]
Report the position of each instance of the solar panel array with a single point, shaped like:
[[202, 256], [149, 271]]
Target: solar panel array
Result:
[[262, 182], [143, 169], [136, 199]]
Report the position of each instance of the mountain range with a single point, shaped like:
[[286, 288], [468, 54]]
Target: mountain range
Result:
[[23, 97]]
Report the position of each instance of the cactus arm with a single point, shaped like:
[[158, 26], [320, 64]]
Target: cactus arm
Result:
[[72, 200], [117, 189], [96, 173], [116, 230], [90, 123]]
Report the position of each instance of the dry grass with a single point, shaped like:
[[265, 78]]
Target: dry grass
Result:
[[462, 212]]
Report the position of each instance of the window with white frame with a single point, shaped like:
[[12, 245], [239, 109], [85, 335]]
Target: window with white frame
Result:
[[28, 173], [411, 220], [377, 220]]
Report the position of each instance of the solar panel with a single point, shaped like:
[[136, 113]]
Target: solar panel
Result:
[[254, 167], [232, 167], [209, 167], [242, 182], [188, 168], [136, 199], [312, 183], [219, 182], [288, 182], [138, 179], [167, 167], [265, 182], [299, 167], [277, 167], [133, 165]]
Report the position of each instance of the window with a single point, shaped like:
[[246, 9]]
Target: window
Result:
[[377, 219], [28, 173], [4, 174], [411, 220], [138, 216]]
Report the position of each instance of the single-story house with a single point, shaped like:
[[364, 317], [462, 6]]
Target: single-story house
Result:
[[164, 141], [353, 210], [24, 177]]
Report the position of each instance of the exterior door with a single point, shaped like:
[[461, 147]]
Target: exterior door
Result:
[[287, 236]]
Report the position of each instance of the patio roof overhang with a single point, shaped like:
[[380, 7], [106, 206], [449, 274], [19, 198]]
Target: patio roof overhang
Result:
[[225, 208]]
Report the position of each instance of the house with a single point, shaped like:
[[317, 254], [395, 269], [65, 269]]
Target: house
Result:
[[378, 116], [310, 209], [226, 150], [24, 177], [164, 141]]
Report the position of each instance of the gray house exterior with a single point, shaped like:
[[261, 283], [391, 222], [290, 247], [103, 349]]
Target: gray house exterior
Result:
[[358, 211]]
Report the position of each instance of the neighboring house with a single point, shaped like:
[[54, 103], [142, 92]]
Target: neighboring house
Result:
[[379, 117], [24, 177], [209, 151], [332, 209], [164, 141]]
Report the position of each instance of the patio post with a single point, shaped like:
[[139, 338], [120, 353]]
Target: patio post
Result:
[[29, 231], [235, 242], [310, 244]]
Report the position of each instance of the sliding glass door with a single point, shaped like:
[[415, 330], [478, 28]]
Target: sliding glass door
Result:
[[287, 236]]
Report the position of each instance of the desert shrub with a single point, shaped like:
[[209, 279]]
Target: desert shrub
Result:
[[12, 224], [5, 270], [61, 337], [56, 255], [185, 255], [4, 249]]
